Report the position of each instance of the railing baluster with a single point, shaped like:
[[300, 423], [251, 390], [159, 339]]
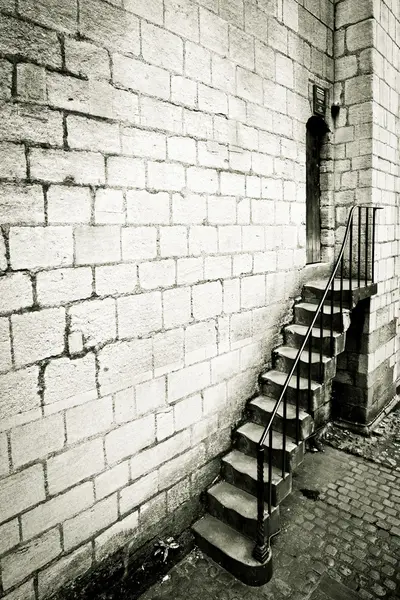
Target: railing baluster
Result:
[[284, 435], [321, 344], [341, 287], [270, 471], [373, 245], [359, 247], [351, 258], [298, 404], [309, 376], [332, 298], [366, 244], [260, 550]]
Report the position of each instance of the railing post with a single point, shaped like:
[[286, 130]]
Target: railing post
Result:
[[331, 342], [359, 246], [261, 550], [309, 376], [373, 245], [321, 349], [284, 436], [366, 244], [351, 258], [341, 286], [298, 399]]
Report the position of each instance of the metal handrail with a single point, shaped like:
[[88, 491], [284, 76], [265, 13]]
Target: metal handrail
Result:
[[261, 551]]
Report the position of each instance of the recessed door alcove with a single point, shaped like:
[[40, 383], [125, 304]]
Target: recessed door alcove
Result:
[[316, 129]]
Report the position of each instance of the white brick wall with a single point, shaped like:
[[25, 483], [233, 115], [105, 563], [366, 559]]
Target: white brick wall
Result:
[[56, 165], [149, 459], [57, 510], [88, 523], [96, 320], [72, 466], [129, 439], [68, 204], [140, 491], [109, 206], [138, 315], [61, 286], [15, 292], [38, 335], [92, 418], [21, 491], [146, 190], [18, 203], [96, 245], [135, 75], [67, 568], [40, 247], [34, 554], [112, 480], [36, 440], [69, 382]]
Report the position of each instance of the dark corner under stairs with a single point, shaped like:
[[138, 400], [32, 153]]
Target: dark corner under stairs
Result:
[[228, 531]]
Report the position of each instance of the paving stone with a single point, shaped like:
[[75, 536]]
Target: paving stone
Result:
[[329, 549], [360, 558]]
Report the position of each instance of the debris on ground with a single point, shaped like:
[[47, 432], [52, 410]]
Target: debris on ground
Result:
[[382, 446], [164, 548], [310, 494]]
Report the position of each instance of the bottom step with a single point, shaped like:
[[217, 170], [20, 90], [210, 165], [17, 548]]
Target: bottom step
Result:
[[238, 509], [231, 550]]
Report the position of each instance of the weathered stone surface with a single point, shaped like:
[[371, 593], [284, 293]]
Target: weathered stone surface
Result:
[[38, 335], [25, 39], [30, 557], [74, 465], [36, 440], [57, 510], [21, 491], [19, 392], [152, 211], [65, 570]]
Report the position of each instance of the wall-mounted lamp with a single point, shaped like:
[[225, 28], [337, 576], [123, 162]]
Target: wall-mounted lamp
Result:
[[335, 108]]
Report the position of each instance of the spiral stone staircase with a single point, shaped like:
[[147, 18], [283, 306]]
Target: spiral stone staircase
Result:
[[228, 531]]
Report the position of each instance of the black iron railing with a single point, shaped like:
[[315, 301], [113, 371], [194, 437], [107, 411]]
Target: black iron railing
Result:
[[362, 246]]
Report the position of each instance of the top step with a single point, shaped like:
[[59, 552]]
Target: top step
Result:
[[313, 290]]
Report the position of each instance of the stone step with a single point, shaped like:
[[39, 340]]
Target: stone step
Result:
[[262, 407], [238, 509], [232, 550], [240, 470], [313, 291], [272, 383], [304, 313], [320, 371], [248, 436], [294, 336]]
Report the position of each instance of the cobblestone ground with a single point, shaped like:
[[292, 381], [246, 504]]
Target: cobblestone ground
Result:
[[350, 534]]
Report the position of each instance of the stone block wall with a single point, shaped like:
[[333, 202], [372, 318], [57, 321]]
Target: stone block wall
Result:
[[152, 209], [367, 53]]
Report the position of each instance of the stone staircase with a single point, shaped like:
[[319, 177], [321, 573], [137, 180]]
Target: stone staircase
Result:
[[227, 532]]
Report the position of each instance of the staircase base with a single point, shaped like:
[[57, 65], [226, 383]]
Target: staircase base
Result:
[[231, 550], [368, 429], [228, 532]]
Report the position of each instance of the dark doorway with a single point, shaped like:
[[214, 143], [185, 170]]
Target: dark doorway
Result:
[[316, 130]]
